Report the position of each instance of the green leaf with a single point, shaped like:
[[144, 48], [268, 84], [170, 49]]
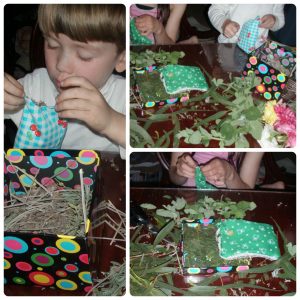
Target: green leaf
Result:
[[252, 113], [164, 232], [195, 138], [166, 213], [252, 206], [190, 211], [240, 214], [179, 203], [291, 248], [227, 131], [256, 128], [242, 142], [135, 128], [243, 205], [148, 206]]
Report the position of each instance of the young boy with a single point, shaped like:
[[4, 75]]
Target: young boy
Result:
[[83, 45]]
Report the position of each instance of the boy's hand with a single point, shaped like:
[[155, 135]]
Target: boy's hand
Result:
[[147, 24], [218, 172], [13, 94], [230, 28], [81, 100], [267, 21], [185, 166]]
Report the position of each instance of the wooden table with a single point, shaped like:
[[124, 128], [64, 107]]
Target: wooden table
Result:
[[111, 186], [271, 206], [219, 60]]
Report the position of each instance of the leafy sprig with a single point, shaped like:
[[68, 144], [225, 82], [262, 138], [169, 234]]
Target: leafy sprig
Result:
[[244, 115], [148, 58]]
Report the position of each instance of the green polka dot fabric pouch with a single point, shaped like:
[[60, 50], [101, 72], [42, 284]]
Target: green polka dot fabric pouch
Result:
[[179, 78], [200, 181], [241, 238], [40, 127], [135, 36]]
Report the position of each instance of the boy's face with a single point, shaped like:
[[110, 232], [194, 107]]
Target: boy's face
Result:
[[94, 61]]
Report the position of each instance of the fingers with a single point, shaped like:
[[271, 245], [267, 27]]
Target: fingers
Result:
[[144, 24], [267, 21], [215, 171], [189, 160], [231, 28], [13, 86], [186, 166], [77, 81], [71, 104], [77, 91], [13, 94]]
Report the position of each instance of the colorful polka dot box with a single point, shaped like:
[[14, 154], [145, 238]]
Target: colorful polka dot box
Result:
[[200, 252], [151, 90], [46, 259], [274, 64]]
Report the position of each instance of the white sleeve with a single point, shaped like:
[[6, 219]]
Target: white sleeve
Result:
[[122, 152], [278, 12], [217, 14]]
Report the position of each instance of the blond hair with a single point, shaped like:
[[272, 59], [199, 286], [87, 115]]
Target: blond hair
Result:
[[85, 22]]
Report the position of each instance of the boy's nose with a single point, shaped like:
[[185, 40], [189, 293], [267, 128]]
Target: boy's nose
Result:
[[64, 63]]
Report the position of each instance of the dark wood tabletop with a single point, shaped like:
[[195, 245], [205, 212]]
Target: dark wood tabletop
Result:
[[272, 206], [111, 187], [220, 61]]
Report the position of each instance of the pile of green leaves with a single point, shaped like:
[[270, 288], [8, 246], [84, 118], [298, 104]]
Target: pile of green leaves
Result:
[[206, 207], [151, 87], [242, 115], [201, 247], [149, 58], [152, 265]]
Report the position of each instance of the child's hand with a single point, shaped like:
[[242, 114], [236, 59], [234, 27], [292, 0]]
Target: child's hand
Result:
[[186, 166], [147, 24], [230, 28], [13, 94], [218, 172], [267, 21], [81, 100]]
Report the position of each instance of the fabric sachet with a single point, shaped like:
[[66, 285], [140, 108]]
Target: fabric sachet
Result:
[[40, 127], [136, 38], [179, 78], [241, 238], [249, 35], [200, 181]]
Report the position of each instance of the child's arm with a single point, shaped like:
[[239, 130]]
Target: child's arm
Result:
[[13, 94], [182, 167], [250, 168], [163, 35], [173, 23], [147, 24], [82, 101], [273, 21], [218, 15]]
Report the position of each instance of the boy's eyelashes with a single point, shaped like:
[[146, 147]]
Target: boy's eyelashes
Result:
[[85, 58], [51, 45]]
